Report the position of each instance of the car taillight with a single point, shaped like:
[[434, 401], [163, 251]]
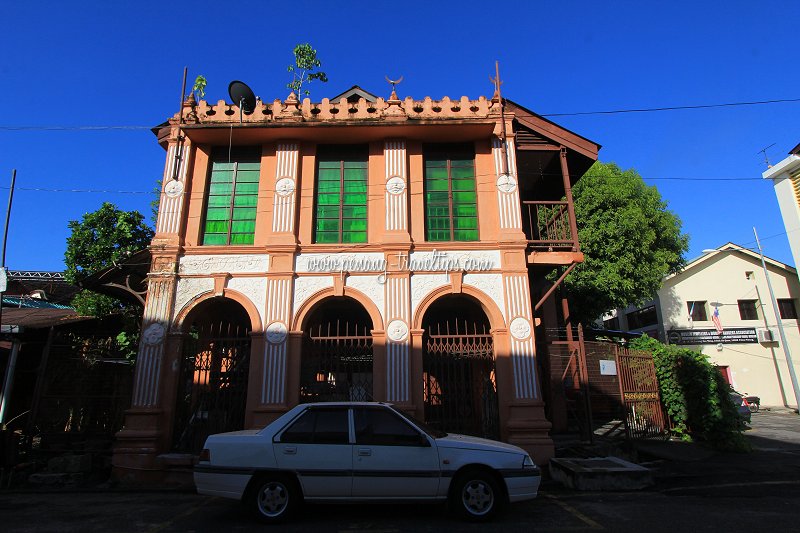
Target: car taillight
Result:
[[205, 455]]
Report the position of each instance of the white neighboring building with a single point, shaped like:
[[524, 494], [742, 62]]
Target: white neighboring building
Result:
[[785, 177], [748, 351]]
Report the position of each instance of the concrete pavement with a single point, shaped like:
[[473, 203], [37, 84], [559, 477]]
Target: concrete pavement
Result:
[[759, 491]]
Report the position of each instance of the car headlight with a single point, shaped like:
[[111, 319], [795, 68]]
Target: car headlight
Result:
[[528, 462]]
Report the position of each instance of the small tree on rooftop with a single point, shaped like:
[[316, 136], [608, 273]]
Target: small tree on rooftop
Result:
[[199, 87], [304, 69]]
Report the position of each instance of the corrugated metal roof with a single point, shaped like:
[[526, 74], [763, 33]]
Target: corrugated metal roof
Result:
[[26, 302]]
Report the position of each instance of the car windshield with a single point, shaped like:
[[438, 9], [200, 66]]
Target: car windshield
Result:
[[432, 432]]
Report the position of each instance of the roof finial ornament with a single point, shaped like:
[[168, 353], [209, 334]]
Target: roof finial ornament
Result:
[[393, 96], [497, 82]]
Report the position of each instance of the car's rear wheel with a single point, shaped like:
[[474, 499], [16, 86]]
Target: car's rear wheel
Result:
[[273, 499], [475, 496]]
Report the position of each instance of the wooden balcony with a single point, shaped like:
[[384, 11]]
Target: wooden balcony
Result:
[[552, 233]]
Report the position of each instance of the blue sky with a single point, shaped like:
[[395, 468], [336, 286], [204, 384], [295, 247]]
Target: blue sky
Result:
[[114, 63]]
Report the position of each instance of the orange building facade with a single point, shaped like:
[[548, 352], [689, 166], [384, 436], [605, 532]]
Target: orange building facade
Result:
[[356, 249]]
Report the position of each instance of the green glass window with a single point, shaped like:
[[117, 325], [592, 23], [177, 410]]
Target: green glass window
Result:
[[341, 212], [451, 205], [230, 216]]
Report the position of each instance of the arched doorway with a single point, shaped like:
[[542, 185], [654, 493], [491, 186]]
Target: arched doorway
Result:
[[212, 384], [459, 385], [336, 359]]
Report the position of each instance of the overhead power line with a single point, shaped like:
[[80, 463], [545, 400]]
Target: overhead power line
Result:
[[113, 191], [670, 108], [73, 128]]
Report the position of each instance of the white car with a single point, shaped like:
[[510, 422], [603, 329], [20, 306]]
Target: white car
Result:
[[362, 452]]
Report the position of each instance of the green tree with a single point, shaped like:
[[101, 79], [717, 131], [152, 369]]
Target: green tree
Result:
[[630, 240], [103, 238], [99, 240], [305, 68], [695, 395]]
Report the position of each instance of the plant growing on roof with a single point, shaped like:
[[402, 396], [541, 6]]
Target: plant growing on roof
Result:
[[305, 68], [199, 87]]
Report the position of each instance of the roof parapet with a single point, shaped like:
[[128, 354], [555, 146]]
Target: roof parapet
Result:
[[291, 110]]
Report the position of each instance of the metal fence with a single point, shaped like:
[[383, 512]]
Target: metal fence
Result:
[[596, 382]]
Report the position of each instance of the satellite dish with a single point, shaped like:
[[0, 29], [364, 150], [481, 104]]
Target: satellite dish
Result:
[[242, 96]]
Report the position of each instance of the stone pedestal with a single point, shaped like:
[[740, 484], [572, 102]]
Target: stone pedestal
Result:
[[529, 429], [136, 448]]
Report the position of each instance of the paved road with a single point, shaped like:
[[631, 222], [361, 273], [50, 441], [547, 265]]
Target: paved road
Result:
[[727, 492]]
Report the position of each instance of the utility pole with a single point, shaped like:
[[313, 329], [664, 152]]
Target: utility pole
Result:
[[5, 393], [780, 325]]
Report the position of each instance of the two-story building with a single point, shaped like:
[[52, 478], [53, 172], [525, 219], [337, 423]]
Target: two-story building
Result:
[[352, 249], [743, 338]]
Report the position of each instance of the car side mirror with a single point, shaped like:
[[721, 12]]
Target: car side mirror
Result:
[[423, 441]]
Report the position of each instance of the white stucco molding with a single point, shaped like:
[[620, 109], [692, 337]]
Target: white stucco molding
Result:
[[234, 264], [782, 170]]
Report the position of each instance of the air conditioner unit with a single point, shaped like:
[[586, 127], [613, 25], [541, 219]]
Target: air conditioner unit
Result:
[[765, 335]]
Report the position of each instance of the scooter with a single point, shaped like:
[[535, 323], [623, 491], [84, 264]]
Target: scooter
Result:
[[752, 402]]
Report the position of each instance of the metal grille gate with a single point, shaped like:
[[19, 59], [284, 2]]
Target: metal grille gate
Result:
[[212, 391], [638, 386], [459, 389], [336, 363]]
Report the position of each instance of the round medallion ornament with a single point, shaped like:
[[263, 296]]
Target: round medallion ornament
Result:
[[520, 328], [174, 188], [276, 332], [284, 187], [506, 183], [154, 334], [395, 185], [397, 330]]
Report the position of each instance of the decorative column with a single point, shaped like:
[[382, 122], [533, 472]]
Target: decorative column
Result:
[[147, 426], [396, 188], [148, 423], [508, 203], [277, 319], [521, 343], [398, 338], [527, 425], [285, 198], [397, 310]]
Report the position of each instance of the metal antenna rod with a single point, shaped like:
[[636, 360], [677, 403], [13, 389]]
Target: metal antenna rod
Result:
[[497, 83], [764, 151], [179, 147]]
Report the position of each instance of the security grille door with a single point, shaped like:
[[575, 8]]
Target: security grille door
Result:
[[336, 362], [212, 391], [460, 390], [638, 385]]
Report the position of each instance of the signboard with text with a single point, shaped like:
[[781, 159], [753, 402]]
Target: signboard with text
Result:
[[710, 336]]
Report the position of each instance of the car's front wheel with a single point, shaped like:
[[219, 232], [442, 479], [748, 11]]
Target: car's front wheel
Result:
[[475, 496], [274, 499]]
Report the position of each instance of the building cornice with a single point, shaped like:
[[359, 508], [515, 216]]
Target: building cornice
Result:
[[790, 165]]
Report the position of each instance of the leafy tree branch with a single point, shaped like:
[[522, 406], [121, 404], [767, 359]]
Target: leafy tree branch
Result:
[[304, 69], [629, 238]]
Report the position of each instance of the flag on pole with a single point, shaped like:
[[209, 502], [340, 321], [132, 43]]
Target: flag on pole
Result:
[[715, 320]]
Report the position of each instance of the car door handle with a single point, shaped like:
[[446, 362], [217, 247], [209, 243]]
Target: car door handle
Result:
[[364, 452], [290, 450]]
